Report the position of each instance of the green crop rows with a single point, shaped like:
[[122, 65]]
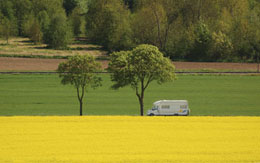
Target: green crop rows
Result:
[[37, 94]]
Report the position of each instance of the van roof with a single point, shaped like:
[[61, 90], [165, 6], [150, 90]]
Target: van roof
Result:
[[170, 101]]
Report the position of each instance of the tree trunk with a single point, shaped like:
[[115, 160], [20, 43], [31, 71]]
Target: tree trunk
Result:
[[141, 102], [199, 9], [80, 98], [7, 40], [158, 28], [258, 62], [80, 111], [141, 96], [141, 99]]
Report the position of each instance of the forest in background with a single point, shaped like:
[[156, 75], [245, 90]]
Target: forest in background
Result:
[[184, 30]]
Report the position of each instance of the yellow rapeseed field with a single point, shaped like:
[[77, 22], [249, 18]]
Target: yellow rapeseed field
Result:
[[129, 139]]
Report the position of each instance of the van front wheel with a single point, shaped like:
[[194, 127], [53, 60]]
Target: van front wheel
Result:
[[151, 114]]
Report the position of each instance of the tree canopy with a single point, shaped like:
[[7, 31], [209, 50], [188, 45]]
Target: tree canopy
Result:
[[138, 68], [108, 24], [59, 34], [80, 71]]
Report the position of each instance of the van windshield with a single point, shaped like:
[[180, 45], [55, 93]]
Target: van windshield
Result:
[[155, 107]]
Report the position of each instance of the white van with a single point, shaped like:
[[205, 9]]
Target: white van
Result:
[[169, 107]]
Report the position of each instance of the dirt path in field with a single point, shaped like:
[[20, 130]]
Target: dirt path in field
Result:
[[33, 64], [28, 64], [215, 66]]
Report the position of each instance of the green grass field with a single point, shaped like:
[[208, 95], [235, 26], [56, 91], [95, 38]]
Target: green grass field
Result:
[[37, 94]]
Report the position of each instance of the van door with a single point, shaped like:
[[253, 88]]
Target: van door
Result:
[[175, 108], [183, 108]]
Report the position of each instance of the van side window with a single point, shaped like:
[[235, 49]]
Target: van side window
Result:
[[165, 106]]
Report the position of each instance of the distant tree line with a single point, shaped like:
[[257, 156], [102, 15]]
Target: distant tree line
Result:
[[192, 30], [43, 21]]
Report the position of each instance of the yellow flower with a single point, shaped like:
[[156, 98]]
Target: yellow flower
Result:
[[129, 139]]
